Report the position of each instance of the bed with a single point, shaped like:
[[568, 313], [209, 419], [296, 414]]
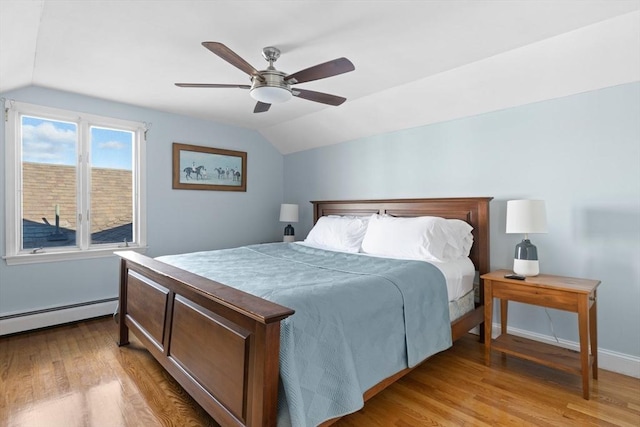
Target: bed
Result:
[[223, 345]]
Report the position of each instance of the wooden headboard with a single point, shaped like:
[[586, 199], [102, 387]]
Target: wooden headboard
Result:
[[473, 210]]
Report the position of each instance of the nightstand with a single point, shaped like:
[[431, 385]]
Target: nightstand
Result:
[[563, 293]]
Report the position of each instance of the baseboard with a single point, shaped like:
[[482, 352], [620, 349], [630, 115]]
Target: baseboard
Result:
[[609, 360], [22, 322]]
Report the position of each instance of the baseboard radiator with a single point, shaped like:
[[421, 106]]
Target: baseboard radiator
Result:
[[21, 322]]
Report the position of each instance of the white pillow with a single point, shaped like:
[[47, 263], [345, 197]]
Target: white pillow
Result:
[[339, 233], [425, 238], [460, 240], [420, 238]]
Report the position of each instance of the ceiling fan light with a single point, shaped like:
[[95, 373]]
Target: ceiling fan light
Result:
[[271, 94]]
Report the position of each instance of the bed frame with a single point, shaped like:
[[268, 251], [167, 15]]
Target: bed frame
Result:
[[222, 345]]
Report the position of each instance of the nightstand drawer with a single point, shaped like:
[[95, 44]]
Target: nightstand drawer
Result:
[[551, 298]]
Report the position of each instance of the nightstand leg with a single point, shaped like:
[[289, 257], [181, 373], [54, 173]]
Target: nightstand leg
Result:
[[504, 315], [488, 321], [593, 333], [583, 328]]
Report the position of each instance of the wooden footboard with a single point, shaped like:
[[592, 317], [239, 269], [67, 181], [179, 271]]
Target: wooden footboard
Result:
[[221, 344]]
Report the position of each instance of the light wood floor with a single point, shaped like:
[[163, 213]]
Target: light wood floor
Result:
[[76, 375]]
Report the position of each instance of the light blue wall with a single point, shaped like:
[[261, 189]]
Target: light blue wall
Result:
[[178, 220], [580, 153]]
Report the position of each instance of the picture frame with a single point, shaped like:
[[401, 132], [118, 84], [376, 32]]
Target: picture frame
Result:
[[198, 167]]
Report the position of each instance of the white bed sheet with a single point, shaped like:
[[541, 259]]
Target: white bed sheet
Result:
[[459, 274]]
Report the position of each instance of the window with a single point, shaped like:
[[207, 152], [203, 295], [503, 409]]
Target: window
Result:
[[74, 184]]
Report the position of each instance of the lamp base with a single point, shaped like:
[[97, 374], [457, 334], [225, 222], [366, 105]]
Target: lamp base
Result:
[[289, 234], [526, 267]]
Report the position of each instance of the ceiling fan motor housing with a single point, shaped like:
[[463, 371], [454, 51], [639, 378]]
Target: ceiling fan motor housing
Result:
[[272, 89]]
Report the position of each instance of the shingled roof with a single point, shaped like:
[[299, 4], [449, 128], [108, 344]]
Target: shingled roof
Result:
[[46, 185]]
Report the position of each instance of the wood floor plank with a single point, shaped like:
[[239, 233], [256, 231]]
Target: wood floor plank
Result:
[[76, 375]]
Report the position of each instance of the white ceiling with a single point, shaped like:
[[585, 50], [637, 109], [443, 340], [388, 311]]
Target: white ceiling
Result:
[[417, 62]]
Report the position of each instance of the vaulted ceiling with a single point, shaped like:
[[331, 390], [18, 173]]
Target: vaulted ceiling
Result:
[[417, 62]]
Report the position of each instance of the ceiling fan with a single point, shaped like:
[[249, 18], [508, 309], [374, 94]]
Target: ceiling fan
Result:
[[271, 86]]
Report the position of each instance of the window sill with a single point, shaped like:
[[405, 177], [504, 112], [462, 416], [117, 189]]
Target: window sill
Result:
[[43, 256]]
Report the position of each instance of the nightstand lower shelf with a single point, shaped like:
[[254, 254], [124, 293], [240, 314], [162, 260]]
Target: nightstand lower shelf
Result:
[[545, 354]]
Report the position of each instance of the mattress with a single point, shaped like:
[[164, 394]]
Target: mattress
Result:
[[462, 305], [458, 275]]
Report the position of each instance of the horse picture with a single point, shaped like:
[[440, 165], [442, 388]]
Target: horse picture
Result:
[[207, 168], [199, 171]]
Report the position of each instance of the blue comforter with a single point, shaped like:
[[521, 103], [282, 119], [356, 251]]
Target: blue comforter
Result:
[[357, 320]]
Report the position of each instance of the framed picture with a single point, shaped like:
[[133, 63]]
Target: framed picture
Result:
[[207, 168]]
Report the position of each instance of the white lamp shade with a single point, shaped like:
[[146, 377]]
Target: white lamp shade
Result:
[[288, 213], [526, 216]]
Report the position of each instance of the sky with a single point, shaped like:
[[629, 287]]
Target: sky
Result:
[[55, 142]]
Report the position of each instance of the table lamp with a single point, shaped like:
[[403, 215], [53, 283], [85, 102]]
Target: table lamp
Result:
[[289, 214], [524, 217]]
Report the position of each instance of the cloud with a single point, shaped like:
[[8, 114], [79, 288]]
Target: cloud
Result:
[[115, 145], [47, 131], [48, 143]]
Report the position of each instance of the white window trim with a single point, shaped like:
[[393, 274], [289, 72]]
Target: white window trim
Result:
[[13, 206]]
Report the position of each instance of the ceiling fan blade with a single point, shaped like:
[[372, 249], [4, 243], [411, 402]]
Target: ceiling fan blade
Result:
[[261, 107], [212, 85], [321, 71], [323, 98], [232, 58]]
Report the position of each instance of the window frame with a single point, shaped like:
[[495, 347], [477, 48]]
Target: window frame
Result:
[[13, 185]]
